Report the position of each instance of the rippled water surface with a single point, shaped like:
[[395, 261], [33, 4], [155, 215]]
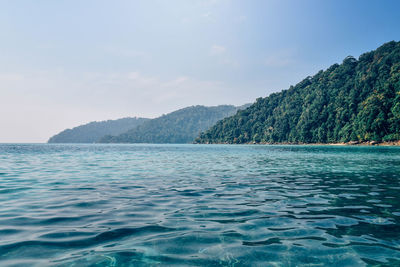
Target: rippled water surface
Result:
[[203, 205]]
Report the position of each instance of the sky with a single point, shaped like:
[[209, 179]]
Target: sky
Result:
[[68, 62]]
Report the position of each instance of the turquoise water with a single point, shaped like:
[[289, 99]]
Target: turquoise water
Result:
[[202, 205]]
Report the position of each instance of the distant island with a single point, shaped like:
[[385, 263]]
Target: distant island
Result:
[[92, 132], [181, 126], [357, 101]]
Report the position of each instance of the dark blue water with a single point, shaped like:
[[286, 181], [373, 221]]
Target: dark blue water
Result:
[[203, 205]]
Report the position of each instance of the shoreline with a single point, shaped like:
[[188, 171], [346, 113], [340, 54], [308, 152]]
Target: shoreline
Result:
[[368, 143], [351, 143]]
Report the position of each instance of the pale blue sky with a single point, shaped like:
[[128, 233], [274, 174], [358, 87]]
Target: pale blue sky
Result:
[[64, 63]]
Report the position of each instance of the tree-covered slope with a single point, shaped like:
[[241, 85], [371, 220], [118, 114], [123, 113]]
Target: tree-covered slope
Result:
[[181, 126], [93, 131], [357, 100]]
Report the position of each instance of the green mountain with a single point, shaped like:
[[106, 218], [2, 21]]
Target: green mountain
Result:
[[181, 126], [358, 100], [93, 131]]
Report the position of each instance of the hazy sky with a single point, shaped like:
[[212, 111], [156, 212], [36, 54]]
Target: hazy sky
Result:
[[64, 63]]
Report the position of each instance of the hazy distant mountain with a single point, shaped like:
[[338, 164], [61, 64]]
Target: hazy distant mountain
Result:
[[93, 131], [358, 100], [181, 126]]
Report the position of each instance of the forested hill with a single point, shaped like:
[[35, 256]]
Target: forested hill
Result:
[[358, 100], [93, 131], [181, 126]]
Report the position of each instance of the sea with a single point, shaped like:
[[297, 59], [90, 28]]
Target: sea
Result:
[[199, 205]]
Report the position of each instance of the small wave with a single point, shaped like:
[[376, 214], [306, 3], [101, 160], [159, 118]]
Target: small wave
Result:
[[101, 238], [270, 241]]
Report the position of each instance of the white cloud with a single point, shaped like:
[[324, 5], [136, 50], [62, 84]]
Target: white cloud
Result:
[[217, 49], [230, 62], [242, 18], [206, 15], [123, 52], [222, 57]]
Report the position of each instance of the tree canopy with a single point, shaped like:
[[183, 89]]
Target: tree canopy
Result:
[[181, 126], [358, 100], [93, 131]]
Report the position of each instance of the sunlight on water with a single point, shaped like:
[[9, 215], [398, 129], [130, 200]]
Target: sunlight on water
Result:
[[223, 205]]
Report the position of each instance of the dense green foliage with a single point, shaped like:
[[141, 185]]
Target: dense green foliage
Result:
[[357, 100], [181, 126], [93, 131]]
